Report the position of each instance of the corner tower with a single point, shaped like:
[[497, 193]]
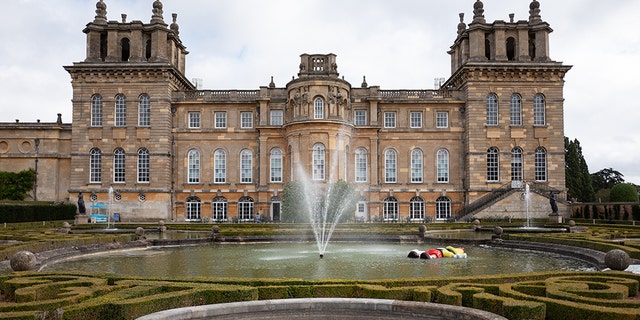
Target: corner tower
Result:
[[122, 114], [513, 117]]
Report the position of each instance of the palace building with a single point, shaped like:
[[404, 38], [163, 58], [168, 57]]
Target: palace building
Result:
[[169, 150]]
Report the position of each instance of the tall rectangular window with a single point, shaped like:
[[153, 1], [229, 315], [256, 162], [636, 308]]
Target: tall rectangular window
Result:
[[389, 119], [539, 110], [219, 166], [416, 119], [194, 120], [360, 118], [246, 171], [516, 110], [361, 165], [442, 119], [246, 120], [492, 165], [443, 166], [275, 165], [416, 166], [220, 120], [277, 117], [492, 110], [143, 165], [95, 166], [390, 166], [118, 166]]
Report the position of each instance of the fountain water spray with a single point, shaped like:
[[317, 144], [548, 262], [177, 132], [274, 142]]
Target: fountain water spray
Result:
[[326, 202], [526, 199]]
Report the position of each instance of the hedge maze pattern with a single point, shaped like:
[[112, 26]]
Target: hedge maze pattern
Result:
[[550, 295]]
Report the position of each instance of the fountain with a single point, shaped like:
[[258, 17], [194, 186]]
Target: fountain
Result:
[[526, 200], [109, 227]]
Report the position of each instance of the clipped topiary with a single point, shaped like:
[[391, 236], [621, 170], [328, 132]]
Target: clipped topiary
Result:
[[623, 192]]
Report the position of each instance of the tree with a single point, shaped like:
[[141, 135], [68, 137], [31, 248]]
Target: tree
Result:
[[294, 207], [15, 186], [577, 177], [623, 192], [606, 179]]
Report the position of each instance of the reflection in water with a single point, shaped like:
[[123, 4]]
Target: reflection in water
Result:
[[300, 260]]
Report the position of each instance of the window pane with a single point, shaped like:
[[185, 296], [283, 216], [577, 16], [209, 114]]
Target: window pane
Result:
[[361, 165], [194, 120], [416, 120], [492, 110], [194, 166], [95, 165], [121, 111], [516, 110], [246, 120], [318, 107], [276, 165], [539, 109], [143, 165], [389, 119], [246, 171], [220, 166], [390, 166], [276, 117], [221, 120], [96, 110], [318, 161], [516, 164], [541, 164], [443, 166], [443, 208], [118, 166], [416, 166], [361, 118], [492, 165], [144, 111], [442, 119]]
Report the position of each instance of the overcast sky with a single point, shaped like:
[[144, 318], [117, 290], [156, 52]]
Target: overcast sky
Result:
[[400, 44]]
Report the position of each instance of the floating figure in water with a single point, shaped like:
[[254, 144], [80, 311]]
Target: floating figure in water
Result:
[[447, 252]]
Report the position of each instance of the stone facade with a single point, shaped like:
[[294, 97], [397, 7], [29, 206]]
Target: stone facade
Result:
[[171, 151]]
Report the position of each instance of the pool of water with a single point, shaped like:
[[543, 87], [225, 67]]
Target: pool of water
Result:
[[360, 261]]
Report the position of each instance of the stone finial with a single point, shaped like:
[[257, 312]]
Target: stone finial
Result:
[[478, 12], [157, 12], [124, 17], [511, 17], [59, 120], [617, 259], [364, 82], [174, 25], [101, 13], [534, 11], [272, 84], [461, 26]]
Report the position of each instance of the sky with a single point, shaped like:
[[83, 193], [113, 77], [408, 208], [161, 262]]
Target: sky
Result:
[[400, 44]]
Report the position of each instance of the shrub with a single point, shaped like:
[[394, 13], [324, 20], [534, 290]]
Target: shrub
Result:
[[624, 192]]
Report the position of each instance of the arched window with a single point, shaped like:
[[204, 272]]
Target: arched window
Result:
[[416, 209], [390, 166], [245, 209], [143, 165], [144, 111], [318, 161], [416, 166], [515, 110], [219, 208], [275, 165], [511, 48], [443, 166], [126, 50], [539, 110], [118, 165], [95, 165], [493, 165], [443, 208], [318, 108], [96, 110], [193, 208], [219, 166], [361, 165], [492, 109], [121, 111], [516, 164], [541, 164], [246, 169], [390, 209], [193, 164]]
